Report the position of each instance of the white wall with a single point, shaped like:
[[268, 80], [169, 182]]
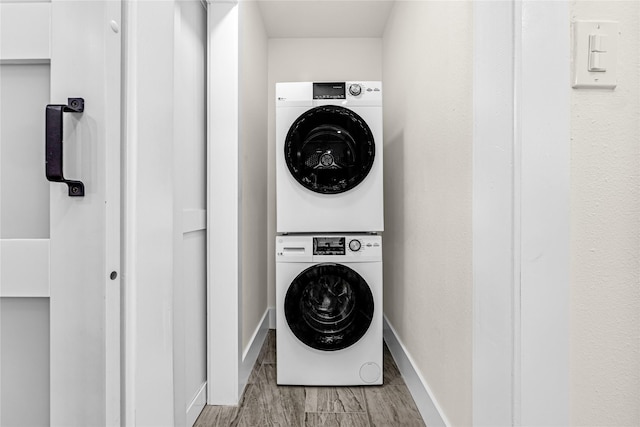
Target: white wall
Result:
[[427, 78], [253, 166], [298, 59], [605, 234]]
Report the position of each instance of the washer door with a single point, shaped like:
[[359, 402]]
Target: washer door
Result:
[[329, 307], [329, 149]]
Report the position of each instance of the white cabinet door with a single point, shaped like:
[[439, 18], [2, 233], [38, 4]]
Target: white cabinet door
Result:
[[60, 254]]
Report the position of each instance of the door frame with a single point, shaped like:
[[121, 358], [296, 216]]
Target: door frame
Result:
[[520, 214], [154, 219], [148, 214], [224, 278]]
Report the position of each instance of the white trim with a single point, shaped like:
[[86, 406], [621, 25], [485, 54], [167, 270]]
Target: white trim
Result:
[[197, 405], [30, 61], [272, 317], [431, 411], [253, 350], [545, 163], [493, 216], [148, 214], [193, 220], [223, 206], [257, 338], [521, 213], [516, 304], [114, 56], [130, 208]]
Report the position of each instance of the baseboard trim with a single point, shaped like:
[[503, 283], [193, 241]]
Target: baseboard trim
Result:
[[431, 412], [253, 349], [197, 405], [272, 317]]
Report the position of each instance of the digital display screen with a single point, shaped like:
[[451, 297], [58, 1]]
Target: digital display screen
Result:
[[328, 245], [329, 91]]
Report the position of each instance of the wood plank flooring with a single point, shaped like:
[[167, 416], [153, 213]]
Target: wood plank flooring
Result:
[[265, 403]]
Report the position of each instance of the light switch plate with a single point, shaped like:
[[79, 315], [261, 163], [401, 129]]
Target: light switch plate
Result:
[[582, 32]]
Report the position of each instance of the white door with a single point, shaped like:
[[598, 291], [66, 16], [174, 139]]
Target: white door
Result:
[[59, 251]]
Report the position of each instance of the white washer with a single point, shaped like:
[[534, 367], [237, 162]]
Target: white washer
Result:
[[329, 310], [329, 157]]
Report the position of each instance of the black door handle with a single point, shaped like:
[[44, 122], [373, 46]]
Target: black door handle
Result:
[[53, 144]]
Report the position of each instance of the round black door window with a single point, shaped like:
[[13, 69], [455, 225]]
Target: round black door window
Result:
[[329, 307], [329, 149]]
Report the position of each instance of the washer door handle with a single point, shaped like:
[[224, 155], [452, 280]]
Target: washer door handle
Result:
[[53, 144]]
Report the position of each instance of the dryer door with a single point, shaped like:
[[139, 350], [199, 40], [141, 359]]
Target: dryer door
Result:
[[329, 149], [329, 306]]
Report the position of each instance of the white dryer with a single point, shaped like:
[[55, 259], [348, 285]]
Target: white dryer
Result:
[[329, 310], [329, 157]]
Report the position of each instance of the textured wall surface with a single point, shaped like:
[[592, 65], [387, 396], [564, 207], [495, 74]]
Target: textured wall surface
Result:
[[253, 166], [605, 234], [427, 77], [297, 60]]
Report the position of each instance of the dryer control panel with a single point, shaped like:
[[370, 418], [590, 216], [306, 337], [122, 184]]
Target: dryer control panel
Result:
[[329, 91], [352, 93], [347, 90], [339, 90]]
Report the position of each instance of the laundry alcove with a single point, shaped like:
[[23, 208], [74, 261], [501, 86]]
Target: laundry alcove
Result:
[[448, 72], [256, 45]]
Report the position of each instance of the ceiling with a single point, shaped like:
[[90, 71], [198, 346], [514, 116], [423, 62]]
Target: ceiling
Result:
[[325, 18]]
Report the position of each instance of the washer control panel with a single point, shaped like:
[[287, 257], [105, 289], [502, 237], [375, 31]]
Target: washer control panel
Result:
[[329, 248], [364, 246], [329, 245]]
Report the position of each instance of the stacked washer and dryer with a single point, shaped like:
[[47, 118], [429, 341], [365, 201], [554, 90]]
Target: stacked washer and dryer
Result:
[[328, 254]]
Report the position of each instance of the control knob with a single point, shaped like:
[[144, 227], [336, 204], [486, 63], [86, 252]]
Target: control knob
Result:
[[355, 245], [355, 89]]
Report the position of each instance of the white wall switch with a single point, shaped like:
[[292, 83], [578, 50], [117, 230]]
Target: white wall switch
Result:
[[595, 54]]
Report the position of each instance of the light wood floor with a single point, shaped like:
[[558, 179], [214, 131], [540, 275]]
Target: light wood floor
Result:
[[266, 404]]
